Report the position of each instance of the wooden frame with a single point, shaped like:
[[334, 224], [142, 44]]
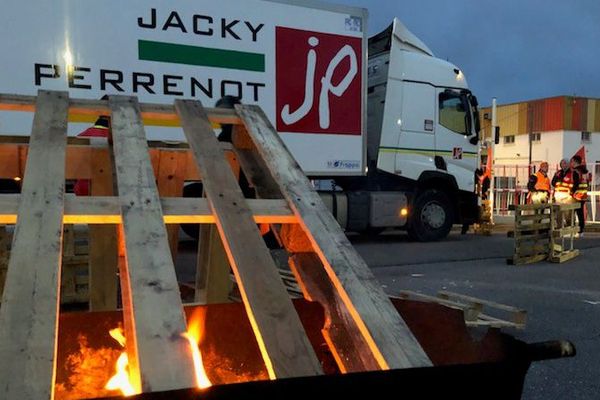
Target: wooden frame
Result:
[[473, 307], [542, 232], [365, 327]]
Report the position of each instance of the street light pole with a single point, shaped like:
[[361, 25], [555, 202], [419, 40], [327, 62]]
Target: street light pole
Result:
[[530, 115]]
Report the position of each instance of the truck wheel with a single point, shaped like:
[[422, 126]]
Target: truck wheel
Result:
[[432, 216]]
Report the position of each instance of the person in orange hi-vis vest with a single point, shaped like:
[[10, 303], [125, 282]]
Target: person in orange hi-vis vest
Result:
[[580, 191], [564, 168], [539, 185]]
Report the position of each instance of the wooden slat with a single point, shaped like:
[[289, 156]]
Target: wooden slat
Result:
[[285, 348], [94, 108], [388, 336], [171, 169], [445, 294], [520, 207], [78, 159], [151, 293], [532, 227], [534, 217], [29, 312], [151, 113], [103, 239], [4, 242], [106, 210], [342, 335], [213, 282], [340, 332]]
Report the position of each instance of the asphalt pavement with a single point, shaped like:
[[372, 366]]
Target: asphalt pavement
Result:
[[562, 300]]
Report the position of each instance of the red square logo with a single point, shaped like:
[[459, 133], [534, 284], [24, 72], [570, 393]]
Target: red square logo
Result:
[[318, 82]]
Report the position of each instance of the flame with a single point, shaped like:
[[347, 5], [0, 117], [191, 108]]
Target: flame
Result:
[[118, 335], [120, 380], [193, 336]]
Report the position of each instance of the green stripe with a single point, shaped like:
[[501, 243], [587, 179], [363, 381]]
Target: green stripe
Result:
[[204, 56], [425, 152]]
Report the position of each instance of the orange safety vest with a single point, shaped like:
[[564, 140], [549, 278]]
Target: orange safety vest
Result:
[[542, 183], [565, 184], [581, 193]]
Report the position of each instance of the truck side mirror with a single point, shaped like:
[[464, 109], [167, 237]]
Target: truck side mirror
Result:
[[497, 135]]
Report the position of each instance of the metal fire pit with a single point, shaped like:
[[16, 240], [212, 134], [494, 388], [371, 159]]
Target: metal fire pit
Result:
[[493, 367]]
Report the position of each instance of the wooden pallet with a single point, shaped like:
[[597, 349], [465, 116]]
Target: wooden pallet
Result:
[[543, 232], [473, 309], [365, 329], [563, 233], [74, 281], [531, 234]]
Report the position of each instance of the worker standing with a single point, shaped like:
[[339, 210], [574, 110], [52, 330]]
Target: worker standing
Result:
[[539, 185], [564, 167], [580, 191], [565, 185]]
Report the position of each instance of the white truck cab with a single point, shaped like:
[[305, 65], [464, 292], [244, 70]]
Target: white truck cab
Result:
[[422, 133]]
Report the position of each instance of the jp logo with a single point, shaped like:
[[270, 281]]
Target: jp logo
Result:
[[327, 85], [318, 82]]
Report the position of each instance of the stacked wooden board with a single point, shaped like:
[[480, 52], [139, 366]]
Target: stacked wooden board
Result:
[[364, 323], [543, 232]]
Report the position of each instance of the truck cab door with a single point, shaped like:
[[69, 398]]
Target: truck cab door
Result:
[[416, 142], [454, 149]]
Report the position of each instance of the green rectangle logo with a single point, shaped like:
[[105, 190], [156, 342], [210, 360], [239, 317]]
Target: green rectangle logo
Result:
[[203, 56]]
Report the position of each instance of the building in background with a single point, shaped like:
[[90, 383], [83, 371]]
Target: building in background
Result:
[[542, 130], [559, 126]]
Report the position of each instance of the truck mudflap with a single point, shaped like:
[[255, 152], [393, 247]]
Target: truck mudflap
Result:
[[468, 208], [493, 367]]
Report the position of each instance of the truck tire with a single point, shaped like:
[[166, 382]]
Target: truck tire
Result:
[[432, 216]]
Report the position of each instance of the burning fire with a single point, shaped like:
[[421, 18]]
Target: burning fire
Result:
[[120, 380], [193, 336]]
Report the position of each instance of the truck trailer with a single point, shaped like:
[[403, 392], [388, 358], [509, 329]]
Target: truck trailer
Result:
[[394, 128]]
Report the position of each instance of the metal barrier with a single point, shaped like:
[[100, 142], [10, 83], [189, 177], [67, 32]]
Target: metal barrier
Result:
[[510, 188]]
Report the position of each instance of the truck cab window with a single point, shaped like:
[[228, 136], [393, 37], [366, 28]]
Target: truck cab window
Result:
[[453, 113]]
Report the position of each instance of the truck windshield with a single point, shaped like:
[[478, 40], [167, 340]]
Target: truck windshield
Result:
[[454, 112]]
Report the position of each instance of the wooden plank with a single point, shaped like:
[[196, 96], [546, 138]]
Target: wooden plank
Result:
[[446, 294], [532, 227], [566, 207], [520, 238], [565, 232], [516, 260], [103, 239], [78, 159], [340, 333], [29, 312], [213, 282], [106, 210], [535, 217], [151, 293], [171, 169], [520, 207], [277, 328], [4, 243], [388, 336], [564, 256], [253, 166], [158, 114]]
